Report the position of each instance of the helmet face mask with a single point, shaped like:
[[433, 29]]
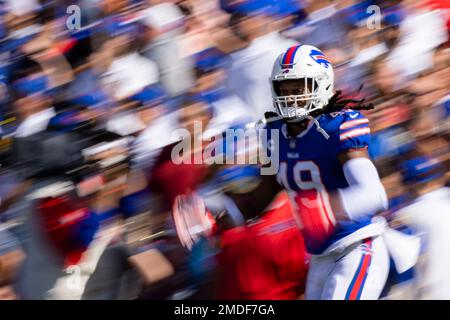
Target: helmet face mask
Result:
[[296, 98], [302, 82]]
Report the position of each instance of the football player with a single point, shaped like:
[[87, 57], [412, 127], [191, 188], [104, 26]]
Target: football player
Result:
[[333, 185]]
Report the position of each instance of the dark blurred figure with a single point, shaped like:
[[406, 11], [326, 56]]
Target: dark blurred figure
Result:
[[177, 171]]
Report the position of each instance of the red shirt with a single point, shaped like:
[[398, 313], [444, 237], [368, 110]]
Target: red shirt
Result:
[[266, 260], [170, 179]]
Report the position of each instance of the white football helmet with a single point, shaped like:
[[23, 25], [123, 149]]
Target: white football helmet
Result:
[[307, 63]]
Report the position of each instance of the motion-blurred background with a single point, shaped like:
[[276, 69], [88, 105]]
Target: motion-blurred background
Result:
[[90, 96]]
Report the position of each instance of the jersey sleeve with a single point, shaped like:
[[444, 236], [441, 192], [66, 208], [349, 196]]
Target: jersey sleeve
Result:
[[354, 131]]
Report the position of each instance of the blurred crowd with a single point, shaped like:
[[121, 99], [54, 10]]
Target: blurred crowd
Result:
[[92, 91]]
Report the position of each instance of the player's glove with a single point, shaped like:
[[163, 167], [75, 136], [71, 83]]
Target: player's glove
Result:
[[192, 220]]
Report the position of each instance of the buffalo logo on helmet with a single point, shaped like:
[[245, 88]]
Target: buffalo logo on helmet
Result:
[[320, 58]]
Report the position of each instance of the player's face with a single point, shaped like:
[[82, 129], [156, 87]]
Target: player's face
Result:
[[294, 88]]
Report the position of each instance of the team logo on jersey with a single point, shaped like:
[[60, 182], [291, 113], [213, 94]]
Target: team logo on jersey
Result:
[[320, 58], [292, 144]]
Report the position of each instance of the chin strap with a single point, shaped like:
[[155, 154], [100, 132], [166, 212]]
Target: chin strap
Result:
[[270, 119], [318, 127]]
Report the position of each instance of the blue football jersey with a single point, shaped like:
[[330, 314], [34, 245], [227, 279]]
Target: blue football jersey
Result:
[[309, 169]]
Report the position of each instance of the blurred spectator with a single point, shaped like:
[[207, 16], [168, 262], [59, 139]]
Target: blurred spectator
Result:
[[228, 110], [169, 179], [21, 8], [129, 72], [191, 172], [421, 32], [427, 215], [165, 24], [11, 256], [252, 65], [197, 36], [31, 101], [154, 114], [323, 27], [385, 82], [367, 45]]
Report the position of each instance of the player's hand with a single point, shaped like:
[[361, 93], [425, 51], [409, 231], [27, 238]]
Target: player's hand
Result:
[[192, 221]]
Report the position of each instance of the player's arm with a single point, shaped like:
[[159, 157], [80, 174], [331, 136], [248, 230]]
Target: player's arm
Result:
[[254, 202], [365, 194]]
